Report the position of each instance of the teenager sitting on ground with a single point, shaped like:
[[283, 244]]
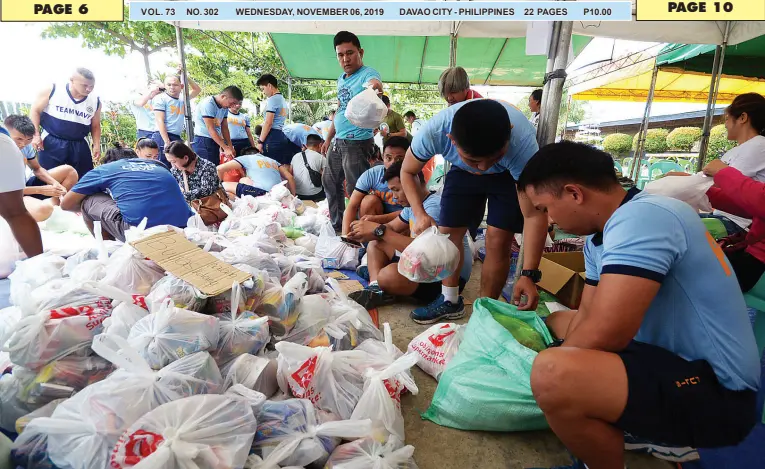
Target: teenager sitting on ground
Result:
[[147, 149], [372, 200], [388, 240], [674, 362], [196, 176], [44, 188], [304, 186], [123, 191], [262, 173]]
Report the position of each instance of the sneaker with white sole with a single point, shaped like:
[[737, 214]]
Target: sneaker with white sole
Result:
[[661, 451], [438, 310], [372, 297]]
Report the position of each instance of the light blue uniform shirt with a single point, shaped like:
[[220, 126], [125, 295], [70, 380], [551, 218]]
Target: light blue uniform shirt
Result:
[[237, 126], [208, 108], [144, 117], [29, 152], [347, 88], [298, 133], [371, 182], [173, 109], [699, 312], [263, 171], [278, 106], [432, 140], [432, 206]]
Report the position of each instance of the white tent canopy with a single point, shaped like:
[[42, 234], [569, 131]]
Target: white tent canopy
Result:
[[684, 32]]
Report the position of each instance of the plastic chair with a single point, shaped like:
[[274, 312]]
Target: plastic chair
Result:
[[755, 299], [618, 167], [686, 164], [661, 167]]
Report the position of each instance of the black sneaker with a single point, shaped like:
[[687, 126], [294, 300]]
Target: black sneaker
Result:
[[371, 297], [363, 272]]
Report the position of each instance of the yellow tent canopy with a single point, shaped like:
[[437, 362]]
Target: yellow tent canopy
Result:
[[684, 75]]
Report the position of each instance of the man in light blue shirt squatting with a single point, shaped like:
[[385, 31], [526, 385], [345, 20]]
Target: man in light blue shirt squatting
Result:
[[298, 133], [661, 347], [349, 149], [67, 113], [262, 173], [211, 133], [144, 112], [372, 199], [488, 143], [239, 129], [169, 112], [272, 142], [386, 241]]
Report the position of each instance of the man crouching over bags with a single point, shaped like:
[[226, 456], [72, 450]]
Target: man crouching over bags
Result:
[[661, 347]]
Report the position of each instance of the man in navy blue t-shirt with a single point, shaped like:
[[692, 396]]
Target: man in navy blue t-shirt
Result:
[[661, 347], [120, 194]]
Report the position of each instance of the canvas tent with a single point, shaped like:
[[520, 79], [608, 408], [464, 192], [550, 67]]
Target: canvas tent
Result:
[[684, 74]]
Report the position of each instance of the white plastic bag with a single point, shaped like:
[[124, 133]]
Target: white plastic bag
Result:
[[311, 266], [384, 351], [281, 194], [33, 273], [252, 289], [129, 271], [256, 373], [125, 315], [280, 303], [172, 333], [203, 432], [83, 430], [240, 331], [381, 400], [307, 241], [431, 257], [244, 206], [332, 381], [294, 433], [183, 295], [366, 110], [335, 254], [10, 250], [436, 347], [91, 269], [369, 453], [690, 189]]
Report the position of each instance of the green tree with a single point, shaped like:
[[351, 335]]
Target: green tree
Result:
[[118, 38], [683, 138], [617, 144], [117, 126], [719, 143], [655, 141], [574, 115]]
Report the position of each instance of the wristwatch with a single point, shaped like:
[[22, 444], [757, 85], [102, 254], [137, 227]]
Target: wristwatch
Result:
[[535, 275], [379, 232]]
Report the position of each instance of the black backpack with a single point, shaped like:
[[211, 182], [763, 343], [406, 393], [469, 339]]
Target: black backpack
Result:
[[315, 175]]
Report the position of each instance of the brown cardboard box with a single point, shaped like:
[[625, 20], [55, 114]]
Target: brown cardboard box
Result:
[[563, 276]]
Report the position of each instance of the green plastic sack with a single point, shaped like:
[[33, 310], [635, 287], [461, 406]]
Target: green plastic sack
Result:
[[715, 227], [487, 385]]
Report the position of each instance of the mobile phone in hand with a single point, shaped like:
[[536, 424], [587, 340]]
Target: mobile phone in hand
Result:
[[350, 242]]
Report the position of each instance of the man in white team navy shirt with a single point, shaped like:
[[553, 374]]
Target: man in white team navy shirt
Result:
[[661, 347], [67, 113]]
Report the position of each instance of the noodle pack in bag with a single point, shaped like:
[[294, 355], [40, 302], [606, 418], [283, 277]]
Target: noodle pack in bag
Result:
[[294, 433], [252, 290], [240, 331], [203, 432], [431, 257], [256, 373], [183, 294], [280, 303], [62, 378], [83, 430], [172, 333]]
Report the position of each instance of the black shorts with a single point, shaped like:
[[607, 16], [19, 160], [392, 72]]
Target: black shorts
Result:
[[464, 198], [748, 268], [678, 402], [245, 189], [34, 181], [318, 197], [427, 292]]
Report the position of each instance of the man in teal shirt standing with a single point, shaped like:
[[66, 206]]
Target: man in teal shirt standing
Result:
[[348, 148]]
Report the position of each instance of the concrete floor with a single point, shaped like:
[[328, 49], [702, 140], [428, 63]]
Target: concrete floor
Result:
[[439, 447]]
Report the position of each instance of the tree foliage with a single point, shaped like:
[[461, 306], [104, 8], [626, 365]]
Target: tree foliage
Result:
[[655, 141], [617, 144], [718, 142], [683, 138], [574, 115], [117, 126]]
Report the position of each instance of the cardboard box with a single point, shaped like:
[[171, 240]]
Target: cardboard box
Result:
[[177, 255], [563, 276]]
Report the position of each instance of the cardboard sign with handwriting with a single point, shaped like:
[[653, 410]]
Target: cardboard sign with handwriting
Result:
[[185, 260]]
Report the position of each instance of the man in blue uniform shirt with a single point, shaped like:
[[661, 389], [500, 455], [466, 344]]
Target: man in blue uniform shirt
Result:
[[169, 112], [211, 126], [661, 347]]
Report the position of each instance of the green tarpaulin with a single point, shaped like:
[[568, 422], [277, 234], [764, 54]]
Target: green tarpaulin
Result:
[[420, 59], [744, 60]]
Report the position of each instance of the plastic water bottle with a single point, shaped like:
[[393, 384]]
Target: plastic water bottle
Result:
[[507, 291]]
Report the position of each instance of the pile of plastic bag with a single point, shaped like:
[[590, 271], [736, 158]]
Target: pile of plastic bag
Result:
[[110, 361]]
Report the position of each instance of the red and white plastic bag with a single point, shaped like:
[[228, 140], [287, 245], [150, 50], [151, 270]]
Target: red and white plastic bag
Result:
[[436, 346]]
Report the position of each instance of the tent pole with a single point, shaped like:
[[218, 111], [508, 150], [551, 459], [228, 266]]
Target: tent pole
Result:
[[289, 98], [638, 159], [187, 104], [453, 50], [554, 81], [714, 87]]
